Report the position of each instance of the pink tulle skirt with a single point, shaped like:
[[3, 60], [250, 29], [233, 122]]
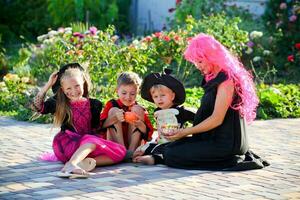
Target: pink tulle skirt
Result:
[[67, 142]]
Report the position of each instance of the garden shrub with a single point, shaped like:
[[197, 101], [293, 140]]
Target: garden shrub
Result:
[[279, 101], [98, 51], [282, 20], [259, 56], [15, 97]]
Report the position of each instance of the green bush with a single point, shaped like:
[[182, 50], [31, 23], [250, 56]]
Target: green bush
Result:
[[279, 101], [98, 51], [15, 97], [283, 21]]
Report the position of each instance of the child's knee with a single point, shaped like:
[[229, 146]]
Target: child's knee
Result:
[[113, 110]]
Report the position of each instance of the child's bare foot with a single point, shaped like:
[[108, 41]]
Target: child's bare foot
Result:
[[147, 160], [74, 169]]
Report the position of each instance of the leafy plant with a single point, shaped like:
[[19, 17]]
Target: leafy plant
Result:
[[282, 20], [279, 101]]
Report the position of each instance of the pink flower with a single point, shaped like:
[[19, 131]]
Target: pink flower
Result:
[[147, 39], [278, 24], [291, 58], [250, 44], [292, 18], [189, 39], [178, 2], [61, 29], [176, 38], [93, 30], [283, 6], [157, 34], [77, 34], [166, 38], [297, 45]]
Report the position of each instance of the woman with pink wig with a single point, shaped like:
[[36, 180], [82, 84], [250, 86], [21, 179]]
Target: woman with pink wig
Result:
[[218, 136]]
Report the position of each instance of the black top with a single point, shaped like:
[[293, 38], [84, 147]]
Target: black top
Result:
[[95, 106], [228, 134]]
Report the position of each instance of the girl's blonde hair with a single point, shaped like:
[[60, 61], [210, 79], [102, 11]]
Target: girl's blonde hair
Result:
[[63, 112], [128, 78]]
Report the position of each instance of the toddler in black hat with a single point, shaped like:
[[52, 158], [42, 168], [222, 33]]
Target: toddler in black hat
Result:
[[167, 93]]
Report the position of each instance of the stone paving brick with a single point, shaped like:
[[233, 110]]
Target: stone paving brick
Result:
[[23, 176]]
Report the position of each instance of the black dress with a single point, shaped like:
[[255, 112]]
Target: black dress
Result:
[[222, 147]]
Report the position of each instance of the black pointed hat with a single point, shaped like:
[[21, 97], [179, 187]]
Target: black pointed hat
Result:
[[167, 80], [56, 85]]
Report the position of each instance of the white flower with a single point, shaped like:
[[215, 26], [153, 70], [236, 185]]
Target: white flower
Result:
[[256, 59], [135, 42], [41, 37], [52, 33], [24, 79], [249, 50], [275, 90], [266, 52], [2, 84], [68, 29], [4, 89], [256, 34], [68, 32], [143, 46]]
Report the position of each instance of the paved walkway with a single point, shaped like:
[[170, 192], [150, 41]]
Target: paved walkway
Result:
[[22, 176]]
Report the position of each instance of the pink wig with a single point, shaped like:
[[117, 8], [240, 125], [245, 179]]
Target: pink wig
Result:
[[207, 49]]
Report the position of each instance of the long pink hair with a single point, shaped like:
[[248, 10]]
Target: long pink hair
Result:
[[207, 49]]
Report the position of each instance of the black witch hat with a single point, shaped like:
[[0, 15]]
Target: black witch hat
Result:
[[167, 80]]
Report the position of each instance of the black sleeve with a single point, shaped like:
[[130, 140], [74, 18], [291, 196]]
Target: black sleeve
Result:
[[49, 106], [189, 115], [96, 108], [185, 116]]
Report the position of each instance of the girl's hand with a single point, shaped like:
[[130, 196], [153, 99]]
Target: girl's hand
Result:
[[175, 135], [52, 79]]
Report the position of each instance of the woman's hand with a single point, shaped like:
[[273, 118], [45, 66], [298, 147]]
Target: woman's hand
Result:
[[175, 135]]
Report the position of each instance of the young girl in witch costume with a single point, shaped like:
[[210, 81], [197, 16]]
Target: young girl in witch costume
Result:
[[127, 122], [167, 93], [78, 144], [218, 136]]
